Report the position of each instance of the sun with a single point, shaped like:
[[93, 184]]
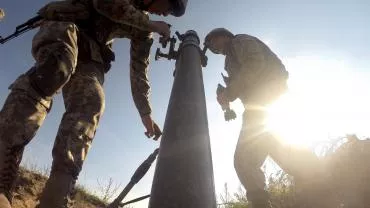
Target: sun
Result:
[[325, 100], [293, 122]]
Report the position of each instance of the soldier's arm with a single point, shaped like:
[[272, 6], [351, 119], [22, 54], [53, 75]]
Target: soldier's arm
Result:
[[123, 12], [247, 53], [140, 86]]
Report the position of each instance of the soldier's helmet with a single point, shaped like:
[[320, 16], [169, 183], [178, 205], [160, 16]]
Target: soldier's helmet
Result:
[[217, 32], [2, 13], [179, 7]]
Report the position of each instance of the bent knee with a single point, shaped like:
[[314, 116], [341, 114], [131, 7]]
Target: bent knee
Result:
[[250, 156], [240, 159], [54, 33], [55, 50], [50, 76]]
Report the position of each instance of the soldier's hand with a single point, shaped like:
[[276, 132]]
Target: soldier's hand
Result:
[[161, 28], [152, 129]]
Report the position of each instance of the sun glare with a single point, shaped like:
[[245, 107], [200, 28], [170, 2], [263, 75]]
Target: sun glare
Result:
[[293, 122], [326, 100], [323, 102]]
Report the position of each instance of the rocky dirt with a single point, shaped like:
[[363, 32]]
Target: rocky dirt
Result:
[[29, 186]]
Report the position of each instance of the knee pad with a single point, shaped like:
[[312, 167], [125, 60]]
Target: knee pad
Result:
[[49, 76]]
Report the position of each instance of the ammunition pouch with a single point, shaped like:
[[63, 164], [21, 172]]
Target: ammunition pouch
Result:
[[90, 49], [66, 11]]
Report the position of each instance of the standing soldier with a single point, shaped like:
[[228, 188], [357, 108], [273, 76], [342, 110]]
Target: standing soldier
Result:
[[72, 50], [257, 77]]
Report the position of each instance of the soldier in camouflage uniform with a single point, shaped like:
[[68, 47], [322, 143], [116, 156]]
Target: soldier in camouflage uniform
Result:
[[72, 50], [257, 77]]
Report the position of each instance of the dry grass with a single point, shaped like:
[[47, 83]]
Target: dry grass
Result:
[[347, 186], [346, 162], [30, 184]]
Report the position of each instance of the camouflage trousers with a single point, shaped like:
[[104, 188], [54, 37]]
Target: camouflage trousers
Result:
[[57, 68], [254, 145]]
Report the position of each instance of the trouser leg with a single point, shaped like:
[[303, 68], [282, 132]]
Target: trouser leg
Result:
[[54, 48], [250, 154], [84, 102]]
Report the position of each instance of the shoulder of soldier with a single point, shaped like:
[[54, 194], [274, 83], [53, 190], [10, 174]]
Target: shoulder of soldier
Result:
[[242, 38], [241, 42], [99, 5], [118, 3]]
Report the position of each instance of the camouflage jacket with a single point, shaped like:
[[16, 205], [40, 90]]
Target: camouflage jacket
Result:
[[249, 63], [124, 19]]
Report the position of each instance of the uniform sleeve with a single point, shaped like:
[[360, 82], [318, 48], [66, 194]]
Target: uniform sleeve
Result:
[[123, 12], [247, 52], [140, 86]]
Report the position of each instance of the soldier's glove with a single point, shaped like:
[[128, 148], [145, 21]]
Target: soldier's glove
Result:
[[229, 114]]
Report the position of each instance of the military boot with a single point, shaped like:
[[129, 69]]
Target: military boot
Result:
[[9, 163], [58, 191]]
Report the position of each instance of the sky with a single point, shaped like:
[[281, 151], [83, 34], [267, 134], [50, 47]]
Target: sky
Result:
[[323, 44]]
